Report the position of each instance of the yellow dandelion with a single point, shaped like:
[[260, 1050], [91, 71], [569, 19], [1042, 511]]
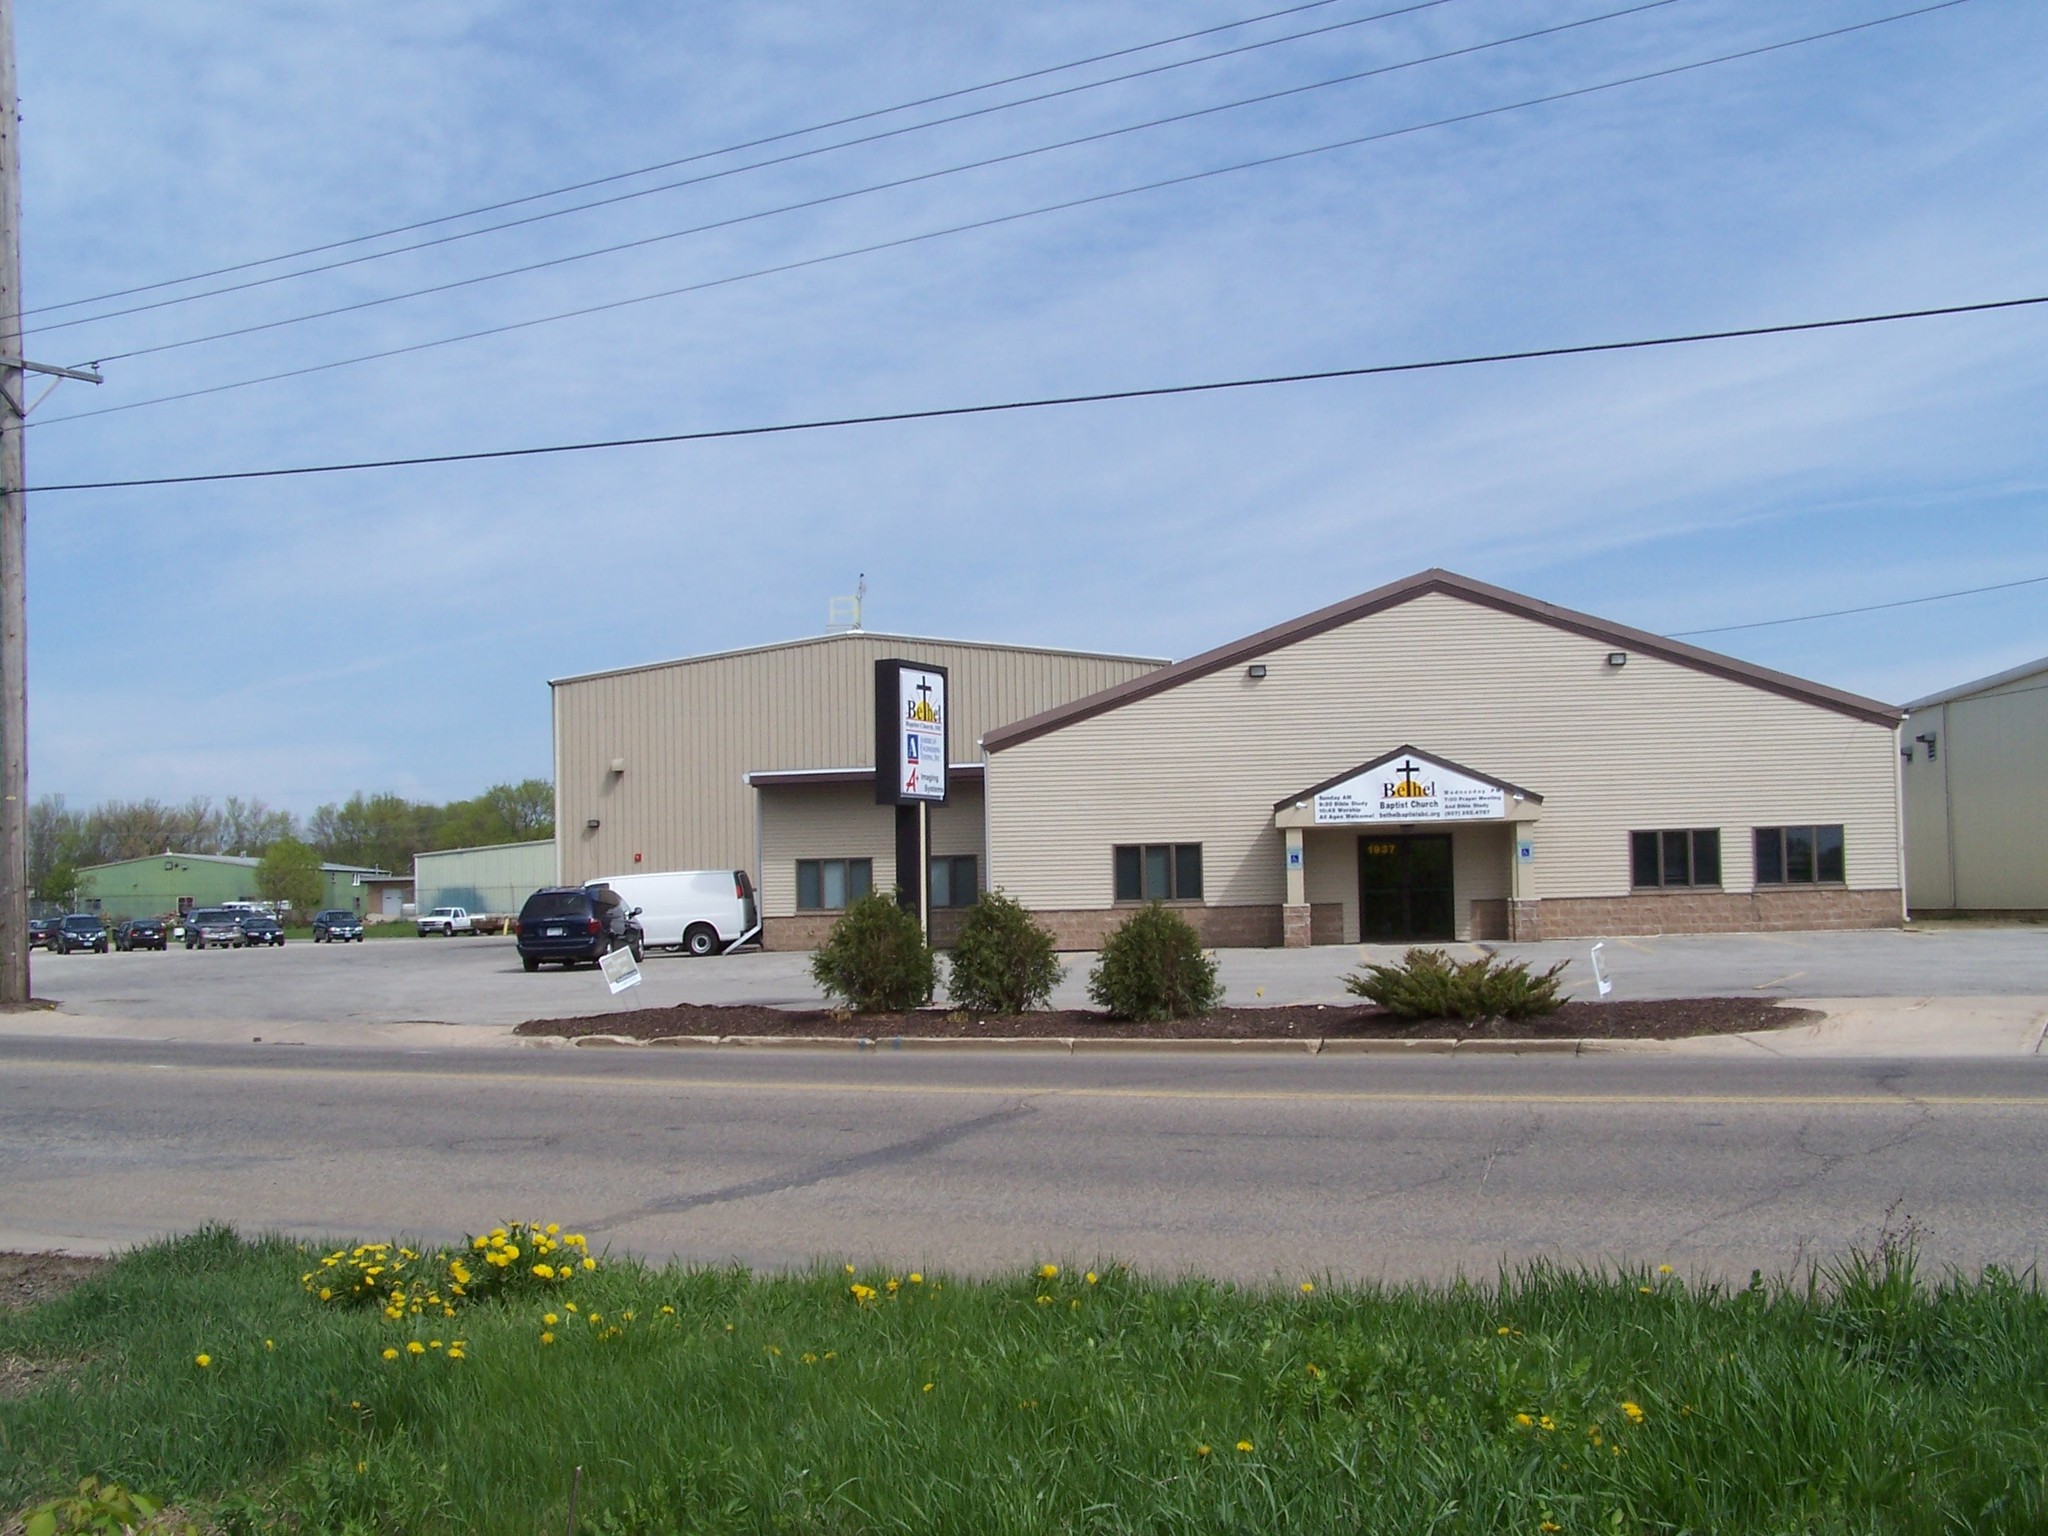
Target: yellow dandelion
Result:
[[1308, 1287], [929, 1385], [1546, 1422], [415, 1347], [1548, 1526], [1048, 1271], [590, 1263], [1093, 1277], [270, 1343], [390, 1354], [893, 1286], [849, 1268], [916, 1278], [1201, 1450], [544, 1271], [547, 1338], [1503, 1332], [1634, 1412], [202, 1361], [1524, 1420], [1313, 1369], [1663, 1269], [1244, 1445]]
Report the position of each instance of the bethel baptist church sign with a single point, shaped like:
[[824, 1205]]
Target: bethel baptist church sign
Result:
[[1409, 787]]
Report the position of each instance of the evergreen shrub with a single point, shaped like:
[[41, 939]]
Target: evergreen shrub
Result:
[[1153, 968], [876, 959], [1428, 984], [1003, 960]]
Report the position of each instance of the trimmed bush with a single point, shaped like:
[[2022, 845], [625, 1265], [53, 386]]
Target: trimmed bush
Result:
[[876, 959], [1153, 968], [1428, 984], [1003, 961]]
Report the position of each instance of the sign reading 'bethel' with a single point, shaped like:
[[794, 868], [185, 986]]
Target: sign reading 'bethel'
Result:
[[1410, 788]]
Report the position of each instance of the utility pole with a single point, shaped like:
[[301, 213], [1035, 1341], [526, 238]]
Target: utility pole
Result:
[[13, 550], [14, 409]]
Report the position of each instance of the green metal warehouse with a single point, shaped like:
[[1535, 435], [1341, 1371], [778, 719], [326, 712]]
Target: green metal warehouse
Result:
[[178, 882]]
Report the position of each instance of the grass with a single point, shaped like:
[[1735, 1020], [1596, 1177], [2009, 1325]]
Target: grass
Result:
[[1861, 1400]]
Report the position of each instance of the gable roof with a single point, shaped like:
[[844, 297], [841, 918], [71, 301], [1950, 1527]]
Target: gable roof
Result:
[[1379, 599], [1408, 751], [843, 636], [1981, 685]]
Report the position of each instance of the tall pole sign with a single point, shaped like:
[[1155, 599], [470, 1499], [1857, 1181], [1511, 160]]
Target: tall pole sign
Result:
[[913, 746]]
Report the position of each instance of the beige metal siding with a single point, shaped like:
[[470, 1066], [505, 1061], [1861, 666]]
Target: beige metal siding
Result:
[[688, 732], [1930, 870], [843, 822], [1649, 745], [1997, 761], [495, 879]]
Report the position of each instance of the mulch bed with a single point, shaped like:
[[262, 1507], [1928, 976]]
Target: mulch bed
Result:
[[1664, 1019]]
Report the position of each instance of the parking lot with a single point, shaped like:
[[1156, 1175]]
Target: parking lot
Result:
[[433, 989]]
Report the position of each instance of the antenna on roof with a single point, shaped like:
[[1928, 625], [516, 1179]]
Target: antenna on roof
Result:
[[843, 613]]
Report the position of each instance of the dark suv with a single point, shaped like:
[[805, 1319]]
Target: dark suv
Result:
[[81, 930], [576, 923], [261, 928], [43, 931], [337, 925]]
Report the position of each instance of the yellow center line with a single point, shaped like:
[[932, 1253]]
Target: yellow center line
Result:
[[473, 1083]]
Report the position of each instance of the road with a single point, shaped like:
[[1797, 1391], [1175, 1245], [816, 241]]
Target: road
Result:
[[1279, 1166]]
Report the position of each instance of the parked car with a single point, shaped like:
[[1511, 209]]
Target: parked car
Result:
[[447, 922], [213, 928], [43, 931], [260, 928], [337, 925], [141, 933], [81, 930], [698, 910], [573, 924]]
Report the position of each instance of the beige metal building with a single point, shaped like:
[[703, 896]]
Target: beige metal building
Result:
[[1437, 758], [1976, 771], [754, 759]]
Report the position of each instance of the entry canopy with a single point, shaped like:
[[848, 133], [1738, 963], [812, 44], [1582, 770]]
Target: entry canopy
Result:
[[1407, 786]]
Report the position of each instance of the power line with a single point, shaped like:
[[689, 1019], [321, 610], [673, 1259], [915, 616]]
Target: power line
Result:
[[690, 159], [828, 198], [755, 165], [1101, 397], [992, 221], [1836, 613]]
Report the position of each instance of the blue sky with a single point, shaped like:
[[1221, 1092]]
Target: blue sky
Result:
[[299, 639]]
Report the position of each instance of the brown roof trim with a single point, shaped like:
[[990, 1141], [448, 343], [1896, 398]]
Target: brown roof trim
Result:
[[1379, 599], [806, 778], [1408, 751]]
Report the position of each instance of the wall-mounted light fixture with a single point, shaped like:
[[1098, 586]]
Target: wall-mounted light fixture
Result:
[[591, 825], [1617, 658], [618, 765], [1255, 671], [1928, 739]]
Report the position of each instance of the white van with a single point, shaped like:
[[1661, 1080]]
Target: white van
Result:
[[701, 911]]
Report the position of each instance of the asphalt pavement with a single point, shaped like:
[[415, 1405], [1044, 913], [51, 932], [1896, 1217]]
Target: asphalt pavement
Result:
[[1271, 1167]]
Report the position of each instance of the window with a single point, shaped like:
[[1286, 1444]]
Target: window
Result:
[[953, 882], [1158, 872], [1799, 856], [826, 885], [1675, 858]]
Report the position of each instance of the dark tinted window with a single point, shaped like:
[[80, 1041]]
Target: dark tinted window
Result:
[[1128, 863], [542, 905], [1642, 856], [1679, 858], [1706, 857], [1158, 872], [1827, 853], [1770, 856], [81, 924]]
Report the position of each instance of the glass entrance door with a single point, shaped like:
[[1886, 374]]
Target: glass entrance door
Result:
[[1404, 888]]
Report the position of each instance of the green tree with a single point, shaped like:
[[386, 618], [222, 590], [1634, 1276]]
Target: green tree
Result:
[[290, 874], [59, 884]]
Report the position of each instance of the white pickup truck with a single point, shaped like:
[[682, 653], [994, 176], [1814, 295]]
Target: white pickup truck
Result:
[[446, 921]]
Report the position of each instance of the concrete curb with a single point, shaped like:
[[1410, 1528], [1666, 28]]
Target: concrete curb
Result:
[[1070, 1045]]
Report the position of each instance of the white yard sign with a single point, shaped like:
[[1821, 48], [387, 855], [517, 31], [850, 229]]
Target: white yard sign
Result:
[[921, 715], [621, 970], [1410, 788]]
